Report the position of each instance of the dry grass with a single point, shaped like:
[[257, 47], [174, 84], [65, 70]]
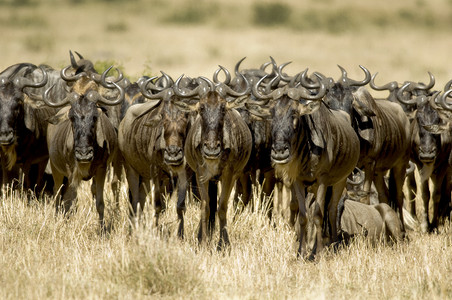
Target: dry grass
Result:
[[47, 256]]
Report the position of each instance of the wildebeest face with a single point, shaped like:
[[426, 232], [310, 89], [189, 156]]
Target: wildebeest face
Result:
[[11, 111], [339, 97], [212, 109], [83, 116], [175, 127], [285, 123], [429, 142]]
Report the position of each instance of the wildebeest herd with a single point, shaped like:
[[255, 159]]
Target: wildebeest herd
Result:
[[329, 142]]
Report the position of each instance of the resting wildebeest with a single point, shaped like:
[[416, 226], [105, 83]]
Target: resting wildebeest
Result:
[[311, 146], [151, 138], [377, 222], [23, 123], [217, 147], [81, 141]]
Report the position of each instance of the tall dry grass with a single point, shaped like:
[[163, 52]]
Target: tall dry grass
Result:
[[43, 256], [47, 256]]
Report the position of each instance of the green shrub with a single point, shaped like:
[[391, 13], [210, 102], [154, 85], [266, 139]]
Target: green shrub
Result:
[[269, 14]]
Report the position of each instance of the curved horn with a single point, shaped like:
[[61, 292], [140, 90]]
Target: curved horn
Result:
[[103, 78], [68, 99], [245, 91], [443, 100], [448, 86], [113, 102], [400, 95], [359, 181], [257, 93], [26, 82], [305, 81], [283, 76], [73, 61], [237, 67], [352, 82], [185, 94], [410, 168], [303, 93], [79, 55], [144, 89], [389, 86], [226, 72], [67, 77], [421, 86]]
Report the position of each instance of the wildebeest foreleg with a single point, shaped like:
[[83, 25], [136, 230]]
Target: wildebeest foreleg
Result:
[[382, 189], [99, 179], [227, 183], [300, 197], [318, 218], [133, 180], [203, 186], [338, 190], [181, 194], [396, 181], [369, 170]]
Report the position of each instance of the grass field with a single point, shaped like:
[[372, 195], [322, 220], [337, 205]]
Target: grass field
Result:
[[43, 256]]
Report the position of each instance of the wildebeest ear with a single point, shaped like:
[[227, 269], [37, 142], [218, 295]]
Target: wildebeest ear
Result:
[[101, 132], [361, 108], [60, 116], [258, 110], [30, 120], [160, 143], [139, 110], [437, 128], [309, 107]]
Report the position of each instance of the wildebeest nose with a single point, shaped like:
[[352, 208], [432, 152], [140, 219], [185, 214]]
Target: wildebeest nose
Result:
[[6, 136], [84, 154]]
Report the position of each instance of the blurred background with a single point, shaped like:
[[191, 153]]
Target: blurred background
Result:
[[401, 40]]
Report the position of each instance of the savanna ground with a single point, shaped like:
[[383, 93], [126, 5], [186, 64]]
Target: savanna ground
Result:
[[48, 256]]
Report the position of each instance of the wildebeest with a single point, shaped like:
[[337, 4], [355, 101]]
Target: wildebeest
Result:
[[311, 146], [377, 222], [258, 169], [384, 132], [217, 147], [81, 141], [151, 138], [431, 145], [23, 123], [80, 76]]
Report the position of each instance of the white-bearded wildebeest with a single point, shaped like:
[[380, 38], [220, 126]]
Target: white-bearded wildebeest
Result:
[[81, 141], [151, 138], [217, 147], [23, 124], [431, 145], [81, 75], [311, 146], [377, 222], [384, 133]]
